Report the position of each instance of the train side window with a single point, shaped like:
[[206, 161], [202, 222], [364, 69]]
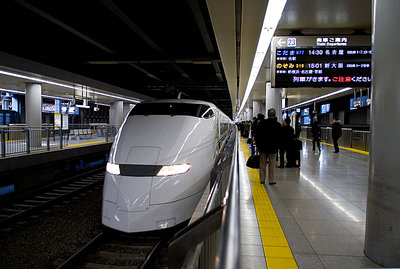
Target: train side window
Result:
[[206, 112]]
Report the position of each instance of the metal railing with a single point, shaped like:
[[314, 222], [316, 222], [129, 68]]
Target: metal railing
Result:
[[350, 138], [18, 139], [213, 240]]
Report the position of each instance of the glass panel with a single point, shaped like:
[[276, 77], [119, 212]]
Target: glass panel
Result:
[[172, 109]]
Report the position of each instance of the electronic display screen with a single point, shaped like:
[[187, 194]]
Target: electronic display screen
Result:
[[323, 67], [359, 102], [325, 108], [305, 111], [307, 120]]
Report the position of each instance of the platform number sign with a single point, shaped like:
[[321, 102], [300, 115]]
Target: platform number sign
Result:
[[291, 42]]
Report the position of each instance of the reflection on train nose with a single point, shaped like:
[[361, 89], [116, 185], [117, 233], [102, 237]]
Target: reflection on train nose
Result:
[[162, 224]]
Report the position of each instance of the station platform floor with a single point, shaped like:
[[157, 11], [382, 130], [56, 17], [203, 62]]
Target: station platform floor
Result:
[[313, 217]]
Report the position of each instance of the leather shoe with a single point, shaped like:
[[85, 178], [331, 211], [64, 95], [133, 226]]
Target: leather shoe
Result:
[[272, 183], [281, 166]]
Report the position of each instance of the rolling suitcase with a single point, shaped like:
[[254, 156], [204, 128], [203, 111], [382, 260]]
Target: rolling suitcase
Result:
[[296, 158], [294, 154]]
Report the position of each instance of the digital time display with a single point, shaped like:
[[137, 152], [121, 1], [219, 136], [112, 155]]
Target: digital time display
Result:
[[323, 67]]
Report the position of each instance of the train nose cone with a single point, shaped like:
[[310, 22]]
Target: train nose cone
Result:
[[142, 155], [134, 191]]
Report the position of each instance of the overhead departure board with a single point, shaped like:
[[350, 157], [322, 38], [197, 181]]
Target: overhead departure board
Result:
[[330, 62]]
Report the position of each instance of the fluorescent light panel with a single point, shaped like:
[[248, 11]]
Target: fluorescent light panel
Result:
[[62, 85], [47, 96], [317, 98], [271, 20], [12, 91]]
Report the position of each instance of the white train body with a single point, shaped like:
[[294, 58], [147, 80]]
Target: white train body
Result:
[[160, 164]]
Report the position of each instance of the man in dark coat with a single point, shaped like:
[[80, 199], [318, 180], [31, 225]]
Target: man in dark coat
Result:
[[316, 132], [253, 126], [267, 142], [336, 133], [287, 136]]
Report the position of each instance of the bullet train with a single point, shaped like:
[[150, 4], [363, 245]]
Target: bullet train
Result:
[[160, 163]]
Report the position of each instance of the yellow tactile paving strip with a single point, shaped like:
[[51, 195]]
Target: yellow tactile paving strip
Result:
[[83, 144], [276, 249], [350, 149]]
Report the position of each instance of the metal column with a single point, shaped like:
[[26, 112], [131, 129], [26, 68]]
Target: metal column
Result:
[[273, 99], [382, 238], [33, 111]]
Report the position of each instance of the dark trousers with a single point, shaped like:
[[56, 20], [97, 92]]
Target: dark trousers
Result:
[[316, 139], [289, 157], [335, 143], [282, 156]]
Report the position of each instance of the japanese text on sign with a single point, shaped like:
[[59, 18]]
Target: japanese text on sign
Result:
[[323, 67]]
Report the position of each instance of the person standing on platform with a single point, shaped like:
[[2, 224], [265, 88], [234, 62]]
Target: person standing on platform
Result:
[[336, 133], [287, 135], [267, 141], [253, 126], [316, 132], [254, 122], [297, 128]]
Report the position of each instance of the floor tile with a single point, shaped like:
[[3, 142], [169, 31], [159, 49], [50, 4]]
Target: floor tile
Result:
[[301, 203], [298, 243], [310, 213], [322, 227], [342, 262], [252, 262], [290, 225], [250, 250], [245, 230], [343, 245], [308, 261]]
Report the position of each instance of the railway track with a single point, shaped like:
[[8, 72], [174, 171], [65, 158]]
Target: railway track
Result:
[[18, 210], [121, 251]]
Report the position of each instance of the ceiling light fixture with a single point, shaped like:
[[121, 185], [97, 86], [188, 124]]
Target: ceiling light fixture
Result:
[[46, 96], [271, 20], [12, 91], [317, 98], [62, 85]]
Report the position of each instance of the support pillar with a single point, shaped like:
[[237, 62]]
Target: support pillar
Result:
[[382, 235], [126, 109], [273, 99], [33, 111], [249, 113], [117, 113], [257, 108]]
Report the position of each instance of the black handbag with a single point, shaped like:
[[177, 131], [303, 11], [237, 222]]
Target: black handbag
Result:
[[253, 161]]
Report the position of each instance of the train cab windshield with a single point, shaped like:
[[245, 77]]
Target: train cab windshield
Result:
[[173, 109]]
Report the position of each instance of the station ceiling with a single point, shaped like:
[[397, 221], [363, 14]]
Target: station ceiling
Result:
[[157, 49]]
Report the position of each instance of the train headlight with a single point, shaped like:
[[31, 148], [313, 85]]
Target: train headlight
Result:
[[113, 168], [175, 169]]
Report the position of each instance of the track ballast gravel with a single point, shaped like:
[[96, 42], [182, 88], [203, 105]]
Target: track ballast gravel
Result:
[[59, 233]]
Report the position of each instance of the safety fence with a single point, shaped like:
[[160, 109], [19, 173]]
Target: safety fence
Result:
[[350, 138], [213, 240], [18, 139]]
